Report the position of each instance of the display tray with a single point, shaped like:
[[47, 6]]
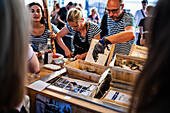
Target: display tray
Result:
[[117, 97], [77, 86], [83, 90], [86, 88], [85, 70]]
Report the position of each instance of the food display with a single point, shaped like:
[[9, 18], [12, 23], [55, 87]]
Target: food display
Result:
[[125, 70], [85, 70], [129, 64]]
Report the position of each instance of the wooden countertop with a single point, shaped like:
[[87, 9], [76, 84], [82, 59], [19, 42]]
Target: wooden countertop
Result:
[[78, 105]]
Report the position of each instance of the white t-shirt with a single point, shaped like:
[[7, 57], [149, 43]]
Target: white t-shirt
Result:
[[139, 16], [30, 53]]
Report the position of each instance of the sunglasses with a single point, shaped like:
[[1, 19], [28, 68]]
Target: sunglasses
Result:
[[113, 10]]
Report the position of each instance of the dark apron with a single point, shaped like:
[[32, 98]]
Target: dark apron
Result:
[[79, 46]]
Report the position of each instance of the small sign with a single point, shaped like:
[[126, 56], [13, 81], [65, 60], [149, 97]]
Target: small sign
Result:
[[38, 85]]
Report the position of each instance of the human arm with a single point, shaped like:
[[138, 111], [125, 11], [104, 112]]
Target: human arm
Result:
[[98, 18], [59, 19], [53, 34], [33, 63], [128, 34], [52, 14], [60, 42], [81, 56], [97, 36]]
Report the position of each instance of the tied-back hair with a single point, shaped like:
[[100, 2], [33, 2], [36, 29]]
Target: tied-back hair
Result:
[[74, 15], [42, 21], [153, 85], [14, 34]]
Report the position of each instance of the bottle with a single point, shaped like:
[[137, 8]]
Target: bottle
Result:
[[48, 55]]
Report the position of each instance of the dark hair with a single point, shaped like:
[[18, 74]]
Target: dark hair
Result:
[[57, 5], [144, 1], [152, 86], [70, 3], [42, 21], [121, 1]]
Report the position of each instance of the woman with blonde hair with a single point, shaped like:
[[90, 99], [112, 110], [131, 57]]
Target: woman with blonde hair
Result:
[[94, 16], [14, 33], [82, 31]]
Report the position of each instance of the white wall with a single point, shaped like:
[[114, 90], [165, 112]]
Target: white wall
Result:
[[135, 5]]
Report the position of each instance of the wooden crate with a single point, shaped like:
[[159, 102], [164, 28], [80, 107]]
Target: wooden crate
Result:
[[139, 51], [123, 68], [78, 69], [124, 78], [117, 97]]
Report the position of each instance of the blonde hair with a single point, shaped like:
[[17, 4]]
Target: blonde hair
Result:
[[14, 33], [93, 9], [74, 15]]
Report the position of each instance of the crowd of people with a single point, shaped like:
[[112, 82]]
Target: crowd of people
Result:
[[17, 33]]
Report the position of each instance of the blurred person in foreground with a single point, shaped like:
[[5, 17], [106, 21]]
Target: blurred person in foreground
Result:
[[121, 30], [14, 33], [151, 93]]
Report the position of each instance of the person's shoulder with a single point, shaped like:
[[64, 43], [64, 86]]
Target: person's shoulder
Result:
[[138, 11], [61, 10], [89, 16], [91, 24]]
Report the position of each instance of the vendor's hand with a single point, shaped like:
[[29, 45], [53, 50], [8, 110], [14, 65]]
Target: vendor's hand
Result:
[[68, 53], [98, 48], [79, 56], [52, 35]]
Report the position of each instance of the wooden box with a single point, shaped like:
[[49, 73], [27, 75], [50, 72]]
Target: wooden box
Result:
[[125, 61], [124, 77], [117, 97], [138, 51], [84, 70]]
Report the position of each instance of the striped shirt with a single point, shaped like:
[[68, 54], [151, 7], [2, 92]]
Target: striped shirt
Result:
[[92, 31], [115, 27], [36, 40]]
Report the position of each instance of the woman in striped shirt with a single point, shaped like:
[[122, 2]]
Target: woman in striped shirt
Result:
[[82, 31], [39, 26]]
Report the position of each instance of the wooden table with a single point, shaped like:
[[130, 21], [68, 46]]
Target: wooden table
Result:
[[78, 106]]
